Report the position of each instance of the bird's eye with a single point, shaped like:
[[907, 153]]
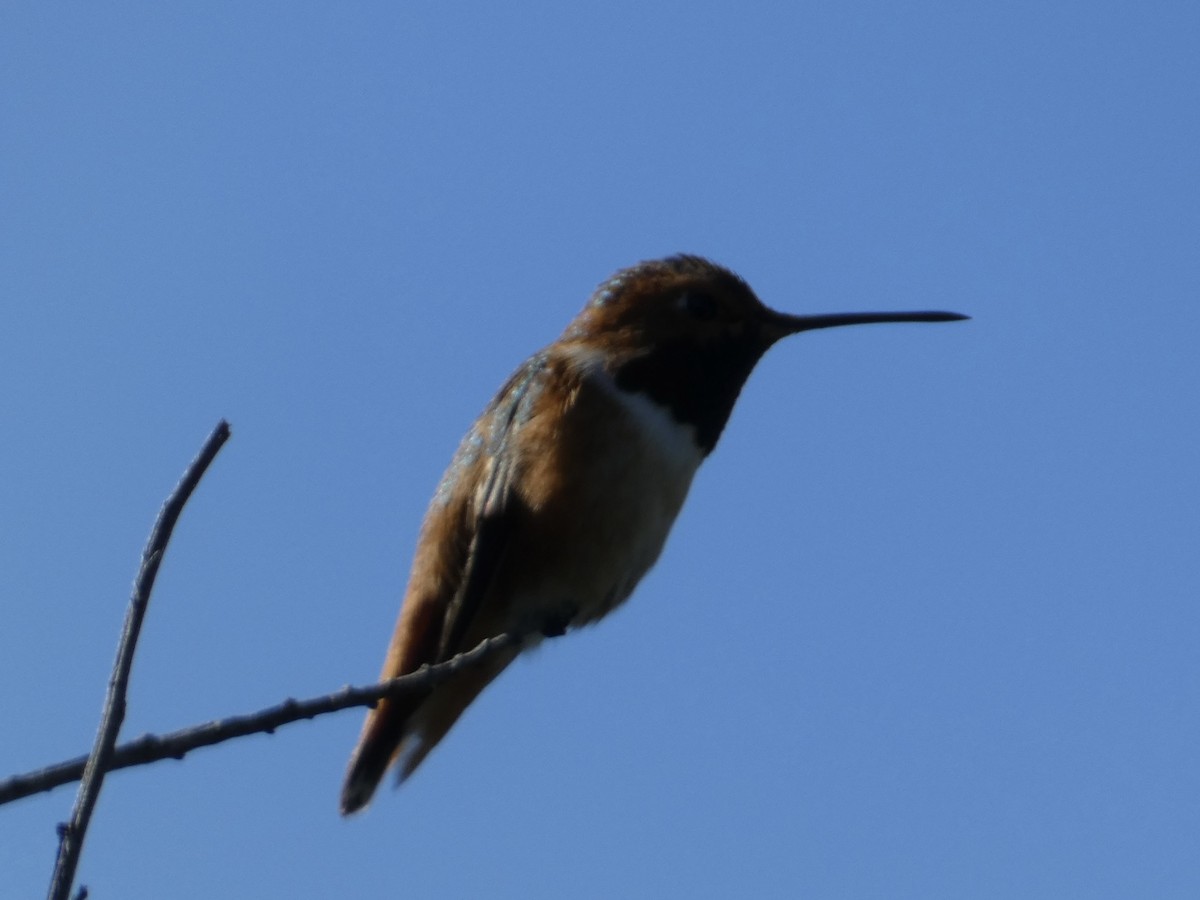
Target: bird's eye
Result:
[[700, 305]]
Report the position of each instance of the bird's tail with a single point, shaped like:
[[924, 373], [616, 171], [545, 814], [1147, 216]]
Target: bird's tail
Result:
[[382, 735], [406, 731]]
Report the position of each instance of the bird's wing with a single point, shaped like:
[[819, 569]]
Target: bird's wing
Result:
[[498, 508], [489, 542]]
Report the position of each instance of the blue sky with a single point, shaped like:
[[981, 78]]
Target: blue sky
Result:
[[927, 626]]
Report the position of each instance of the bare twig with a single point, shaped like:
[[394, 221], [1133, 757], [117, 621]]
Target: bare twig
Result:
[[71, 834], [152, 748]]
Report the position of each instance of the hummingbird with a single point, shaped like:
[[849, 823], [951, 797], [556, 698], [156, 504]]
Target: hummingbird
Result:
[[560, 497]]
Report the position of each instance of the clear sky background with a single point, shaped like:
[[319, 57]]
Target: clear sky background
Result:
[[928, 625]]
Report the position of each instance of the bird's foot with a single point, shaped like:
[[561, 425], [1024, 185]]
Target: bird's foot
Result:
[[556, 624]]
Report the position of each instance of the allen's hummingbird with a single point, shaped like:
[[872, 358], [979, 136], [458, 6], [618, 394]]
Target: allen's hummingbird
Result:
[[562, 493]]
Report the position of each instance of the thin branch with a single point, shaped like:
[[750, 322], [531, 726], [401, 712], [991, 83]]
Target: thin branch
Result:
[[152, 748], [71, 835]]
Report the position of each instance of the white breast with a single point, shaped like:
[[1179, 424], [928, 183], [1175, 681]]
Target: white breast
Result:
[[629, 488], [674, 442]]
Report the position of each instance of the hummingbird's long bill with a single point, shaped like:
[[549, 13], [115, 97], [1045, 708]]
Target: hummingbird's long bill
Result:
[[789, 324]]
